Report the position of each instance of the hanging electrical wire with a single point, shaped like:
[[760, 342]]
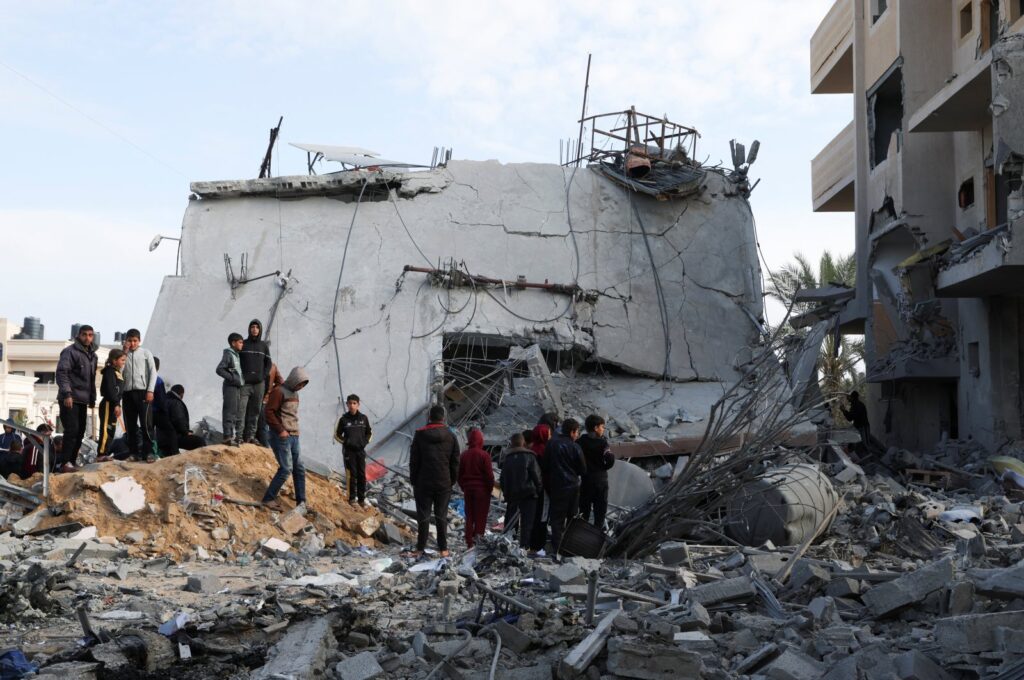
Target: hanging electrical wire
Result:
[[337, 289]]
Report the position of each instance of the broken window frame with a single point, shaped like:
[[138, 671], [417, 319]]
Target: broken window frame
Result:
[[879, 147], [965, 21]]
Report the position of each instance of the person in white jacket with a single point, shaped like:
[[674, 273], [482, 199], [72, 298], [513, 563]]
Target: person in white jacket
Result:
[[137, 400]]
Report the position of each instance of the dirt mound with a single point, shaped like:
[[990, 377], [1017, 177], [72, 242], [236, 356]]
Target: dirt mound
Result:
[[186, 503]]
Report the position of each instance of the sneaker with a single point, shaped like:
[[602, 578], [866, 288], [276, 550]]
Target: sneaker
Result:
[[300, 509], [274, 505]]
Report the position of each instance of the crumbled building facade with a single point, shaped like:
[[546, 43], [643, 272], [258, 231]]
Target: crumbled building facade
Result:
[[931, 168]]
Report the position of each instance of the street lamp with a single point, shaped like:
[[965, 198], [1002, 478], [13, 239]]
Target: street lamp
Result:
[[156, 242]]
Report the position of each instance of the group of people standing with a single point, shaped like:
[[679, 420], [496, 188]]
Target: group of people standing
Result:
[[568, 471]]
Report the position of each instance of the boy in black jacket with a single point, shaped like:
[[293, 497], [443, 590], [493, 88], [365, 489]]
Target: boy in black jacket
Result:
[[522, 485], [598, 455], [563, 466], [230, 369], [353, 433], [256, 363]]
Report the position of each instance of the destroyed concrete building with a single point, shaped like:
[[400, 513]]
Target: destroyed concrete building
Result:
[[931, 168], [408, 287]]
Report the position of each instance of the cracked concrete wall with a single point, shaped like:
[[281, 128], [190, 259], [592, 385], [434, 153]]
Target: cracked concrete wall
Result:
[[503, 221]]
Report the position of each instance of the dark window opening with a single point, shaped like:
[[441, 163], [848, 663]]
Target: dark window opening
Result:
[[966, 20], [974, 359], [46, 378], [989, 23], [885, 115], [965, 197], [1016, 8], [878, 8]]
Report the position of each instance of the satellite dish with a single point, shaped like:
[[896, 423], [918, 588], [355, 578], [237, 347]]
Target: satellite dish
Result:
[[155, 242]]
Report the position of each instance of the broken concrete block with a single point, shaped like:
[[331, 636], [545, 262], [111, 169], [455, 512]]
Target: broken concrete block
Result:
[[973, 633], [961, 598], [368, 526], [756, 658], [728, 589], [806, 573], [63, 548], [914, 665], [566, 574], [362, 666], [579, 657], [794, 665], [646, 662], [220, 534], [886, 598], [292, 522], [673, 553], [843, 587], [694, 641], [69, 670], [135, 536], [446, 588], [275, 546], [84, 533], [301, 654], [203, 583], [823, 610], [1009, 640], [513, 638], [1008, 582], [126, 494], [390, 534]]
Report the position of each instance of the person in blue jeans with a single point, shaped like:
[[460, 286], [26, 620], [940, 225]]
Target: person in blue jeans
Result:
[[282, 413]]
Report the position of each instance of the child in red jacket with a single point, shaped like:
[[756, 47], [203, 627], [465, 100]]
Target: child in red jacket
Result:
[[476, 478]]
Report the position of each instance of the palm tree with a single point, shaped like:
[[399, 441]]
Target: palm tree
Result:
[[838, 367]]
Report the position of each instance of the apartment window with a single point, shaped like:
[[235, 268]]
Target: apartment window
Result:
[[1016, 9], [878, 8], [965, 197], [885, 113], [46, 378], [966, 20], [974, 359]]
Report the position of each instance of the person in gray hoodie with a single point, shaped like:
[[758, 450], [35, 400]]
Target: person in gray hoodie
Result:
[[282, 412], [230, 369], [137, 399]]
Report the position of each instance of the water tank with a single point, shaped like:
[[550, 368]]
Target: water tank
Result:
[[31, 329]]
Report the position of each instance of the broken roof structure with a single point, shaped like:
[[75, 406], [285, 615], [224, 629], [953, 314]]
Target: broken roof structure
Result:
[[415, 287]]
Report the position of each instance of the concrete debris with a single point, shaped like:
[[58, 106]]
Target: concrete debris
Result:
[[126, 494]]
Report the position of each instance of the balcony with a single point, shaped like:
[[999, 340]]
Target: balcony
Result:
[[961, 105], [994, 266], [832, 51], [833, 172]]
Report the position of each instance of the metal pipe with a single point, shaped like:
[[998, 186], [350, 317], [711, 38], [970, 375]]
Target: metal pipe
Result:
[[567, 289]]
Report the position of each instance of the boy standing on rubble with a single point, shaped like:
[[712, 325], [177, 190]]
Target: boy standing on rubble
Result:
[[476, 479], [521, 485], [255, 357], [599, 458], [230, 370], [139, 388], [563, 467], [353, 433], [433, 469], [283, 418]]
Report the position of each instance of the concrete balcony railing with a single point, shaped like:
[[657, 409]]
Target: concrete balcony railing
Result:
[[833, 172], [832, 51]]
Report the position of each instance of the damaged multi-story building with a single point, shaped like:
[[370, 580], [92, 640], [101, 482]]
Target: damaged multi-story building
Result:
[[931, 168], [410, 286]]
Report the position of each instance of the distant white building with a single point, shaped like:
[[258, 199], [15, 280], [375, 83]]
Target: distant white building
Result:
[[28, 376]]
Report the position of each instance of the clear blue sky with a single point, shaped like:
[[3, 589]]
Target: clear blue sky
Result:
[[109, 109]]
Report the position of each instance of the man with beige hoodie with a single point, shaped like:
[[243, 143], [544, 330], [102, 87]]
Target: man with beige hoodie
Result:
[[282, 413]]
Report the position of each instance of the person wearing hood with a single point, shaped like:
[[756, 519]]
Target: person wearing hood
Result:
[[563, 466], [433, 469], [282, 412], [598, 455], [9, 436], [256, 363], [76, 391], [178, 435], [230, 371], [521, 484], [539, 535], [476, 479]]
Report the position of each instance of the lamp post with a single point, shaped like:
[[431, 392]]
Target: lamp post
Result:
[[156, 242]]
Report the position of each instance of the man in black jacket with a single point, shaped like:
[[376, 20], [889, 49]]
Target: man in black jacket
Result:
[[433, 470], [255, 360], [353, 433], [522, 485], [76, 391], [563, 467], [173, 431], [598, 456]]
